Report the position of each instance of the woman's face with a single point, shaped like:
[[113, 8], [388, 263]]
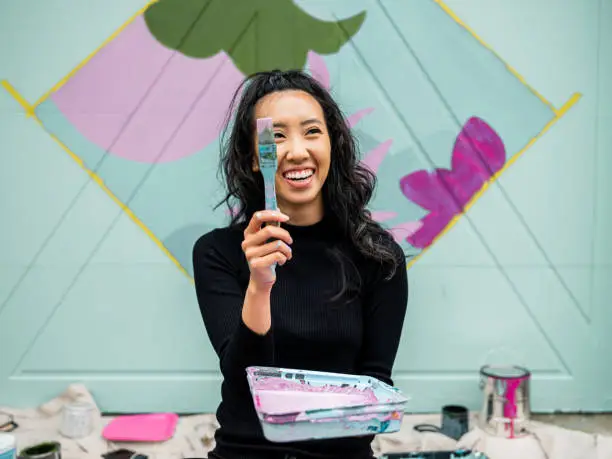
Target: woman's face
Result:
[[303, 148]]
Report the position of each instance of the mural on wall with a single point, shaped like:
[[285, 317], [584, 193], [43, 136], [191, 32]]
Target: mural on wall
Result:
[[281, 33], [144, 113]]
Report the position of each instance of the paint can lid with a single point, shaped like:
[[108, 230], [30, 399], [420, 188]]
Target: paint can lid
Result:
[[7, 441], [504, 372]]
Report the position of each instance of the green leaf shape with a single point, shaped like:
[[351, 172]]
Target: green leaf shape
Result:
[[257, 34]]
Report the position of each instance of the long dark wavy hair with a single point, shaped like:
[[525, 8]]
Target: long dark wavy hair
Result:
[[349, 185]]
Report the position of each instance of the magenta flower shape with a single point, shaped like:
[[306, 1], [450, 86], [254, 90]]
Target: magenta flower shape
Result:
[[478, 154]]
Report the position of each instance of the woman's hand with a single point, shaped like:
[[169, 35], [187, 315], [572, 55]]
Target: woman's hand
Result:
[[265, 246]]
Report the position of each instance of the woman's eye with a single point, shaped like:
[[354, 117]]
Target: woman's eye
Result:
[[313, 131], [278, 135]]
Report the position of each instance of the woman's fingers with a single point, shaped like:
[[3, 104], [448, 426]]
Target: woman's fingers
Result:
[[266, 246], [268, 260], [264, 235], [266, 249], [264, 216]]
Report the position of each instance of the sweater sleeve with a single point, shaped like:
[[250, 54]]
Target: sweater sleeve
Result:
[[220, 297], [385, 309]]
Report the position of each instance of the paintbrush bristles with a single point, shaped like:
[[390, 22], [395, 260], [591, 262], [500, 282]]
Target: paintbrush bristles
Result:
[[265, 134]]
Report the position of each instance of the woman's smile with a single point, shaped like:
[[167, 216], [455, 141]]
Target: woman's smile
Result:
[[299, 177]]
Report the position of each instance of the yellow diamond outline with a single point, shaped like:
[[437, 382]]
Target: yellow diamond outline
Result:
[[30, 112]]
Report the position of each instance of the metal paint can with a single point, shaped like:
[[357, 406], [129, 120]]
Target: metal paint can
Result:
[[77, 420], [506, 409], [8, 446], [47, 450]]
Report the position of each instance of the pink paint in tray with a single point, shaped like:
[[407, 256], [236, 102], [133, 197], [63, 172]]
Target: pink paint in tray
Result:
[[298, 404]]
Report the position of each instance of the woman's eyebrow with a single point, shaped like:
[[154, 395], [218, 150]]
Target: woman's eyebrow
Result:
[[280, 124]]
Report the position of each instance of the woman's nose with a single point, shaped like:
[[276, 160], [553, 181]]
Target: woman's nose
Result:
[[297, 151]]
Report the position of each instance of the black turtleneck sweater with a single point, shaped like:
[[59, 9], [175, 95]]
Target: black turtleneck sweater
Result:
[[358, 333]]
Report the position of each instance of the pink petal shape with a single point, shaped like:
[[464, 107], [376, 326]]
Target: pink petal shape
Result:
[[382, 215], [462, 183], [432, 225], [479, 145], [137, 98], [374, 158], [428, 191], [357, 116], [403, 231], [318, 69]]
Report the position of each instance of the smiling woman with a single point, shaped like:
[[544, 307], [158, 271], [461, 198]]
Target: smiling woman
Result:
[[338, 299]]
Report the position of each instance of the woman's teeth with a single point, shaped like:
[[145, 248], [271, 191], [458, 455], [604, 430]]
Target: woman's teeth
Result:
[[299, 175]]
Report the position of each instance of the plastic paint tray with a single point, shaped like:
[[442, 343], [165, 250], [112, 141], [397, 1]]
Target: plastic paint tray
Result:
[[306, 405]]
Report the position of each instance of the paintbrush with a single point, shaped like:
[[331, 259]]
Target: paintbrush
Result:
[[266, 148]]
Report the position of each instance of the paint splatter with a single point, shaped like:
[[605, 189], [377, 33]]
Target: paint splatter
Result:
[[510, 407]]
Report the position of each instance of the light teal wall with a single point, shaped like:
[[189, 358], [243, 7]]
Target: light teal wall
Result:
[[94, 272]]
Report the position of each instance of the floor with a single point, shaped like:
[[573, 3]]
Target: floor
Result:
[[589, 423], [193, 435]]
